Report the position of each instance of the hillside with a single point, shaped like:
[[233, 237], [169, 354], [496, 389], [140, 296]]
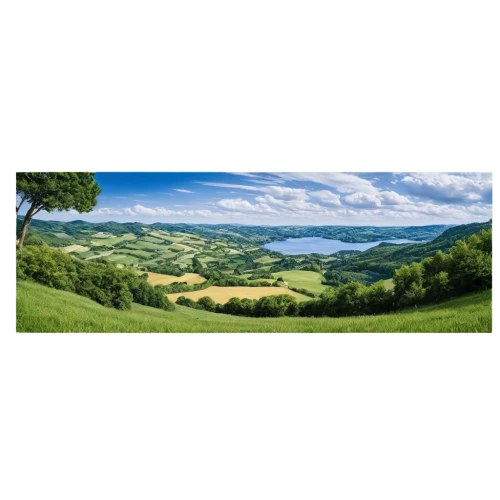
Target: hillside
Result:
[[383, 259], [71, 313]]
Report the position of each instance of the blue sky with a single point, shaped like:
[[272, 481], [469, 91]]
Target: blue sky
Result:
[[290, 198]]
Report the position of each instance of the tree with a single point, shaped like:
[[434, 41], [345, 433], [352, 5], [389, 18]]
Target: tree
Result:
[[51, 191], [376, 298], [434, 265], [439, 287], [207, 303], [406, 278]]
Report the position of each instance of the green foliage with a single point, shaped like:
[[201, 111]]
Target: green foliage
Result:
[[46, 266], [171, 269], [34, 241], [207, 303], [57, 190], [408, 281], [303, 291], [439, 288], [96, 279], [467, 267], [51, 191]]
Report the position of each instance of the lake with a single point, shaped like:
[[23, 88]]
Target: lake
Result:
[[296, 246]]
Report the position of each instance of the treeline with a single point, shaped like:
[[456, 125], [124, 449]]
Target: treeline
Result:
[[466, 268], [339, 278], [96, 279], [265, 307]]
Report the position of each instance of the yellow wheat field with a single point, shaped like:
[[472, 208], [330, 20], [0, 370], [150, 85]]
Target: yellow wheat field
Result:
[[221, 294], [166, 279]]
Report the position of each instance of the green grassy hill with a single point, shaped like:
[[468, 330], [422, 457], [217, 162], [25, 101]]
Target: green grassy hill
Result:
[[303, 279], [42, 309]]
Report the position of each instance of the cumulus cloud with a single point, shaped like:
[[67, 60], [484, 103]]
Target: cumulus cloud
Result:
[[450, 187], [326, 197], [376, 200], [422, 198], [107, 211], [241, 205]]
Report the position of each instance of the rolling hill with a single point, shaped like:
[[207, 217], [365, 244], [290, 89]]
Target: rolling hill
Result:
[[43, 309]]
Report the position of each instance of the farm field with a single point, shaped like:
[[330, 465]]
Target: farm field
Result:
[[114, 240], [75, 248], [266, 260], [166, 279], [72, 313], [221, 295], [309, 280]]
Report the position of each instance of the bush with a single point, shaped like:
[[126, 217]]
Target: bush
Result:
[[97, 279], [34, 241], [46, 266], [207, 303]]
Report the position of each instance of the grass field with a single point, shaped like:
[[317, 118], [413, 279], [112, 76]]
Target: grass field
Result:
[[75, 248], [221, 294], [71, 313], [266, 260], [153, 240], [145, 244], [122, 258], [114, 240], [158, 234], [303, 279], [141, 254], [103, 235], [166, 279]]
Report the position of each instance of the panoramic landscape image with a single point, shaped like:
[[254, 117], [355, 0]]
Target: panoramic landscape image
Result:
[[207, 252]]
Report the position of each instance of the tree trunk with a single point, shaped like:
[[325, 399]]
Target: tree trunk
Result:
[[19, 206], [26, 221]]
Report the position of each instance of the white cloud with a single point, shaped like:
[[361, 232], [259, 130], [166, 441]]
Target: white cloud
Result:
[[241, 205], [326, 197], [106, 211], [341, 182], [450, 187], [164, 212], [184, 191], [376, 200]]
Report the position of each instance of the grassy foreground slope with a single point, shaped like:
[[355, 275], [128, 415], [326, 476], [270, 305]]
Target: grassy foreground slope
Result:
[[42, 309]]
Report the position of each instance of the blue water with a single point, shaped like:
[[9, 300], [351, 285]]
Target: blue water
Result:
[[296, 246]]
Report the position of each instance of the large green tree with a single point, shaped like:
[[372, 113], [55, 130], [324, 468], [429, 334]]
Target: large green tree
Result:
[[51, 191]]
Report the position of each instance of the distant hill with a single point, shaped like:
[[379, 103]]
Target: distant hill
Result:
[[383, 259], [258, 235]]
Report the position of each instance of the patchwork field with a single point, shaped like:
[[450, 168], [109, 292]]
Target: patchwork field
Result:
[[309, 280], [266, 260], [114, 240], [103, 235], [75, 248], [221, 294]]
